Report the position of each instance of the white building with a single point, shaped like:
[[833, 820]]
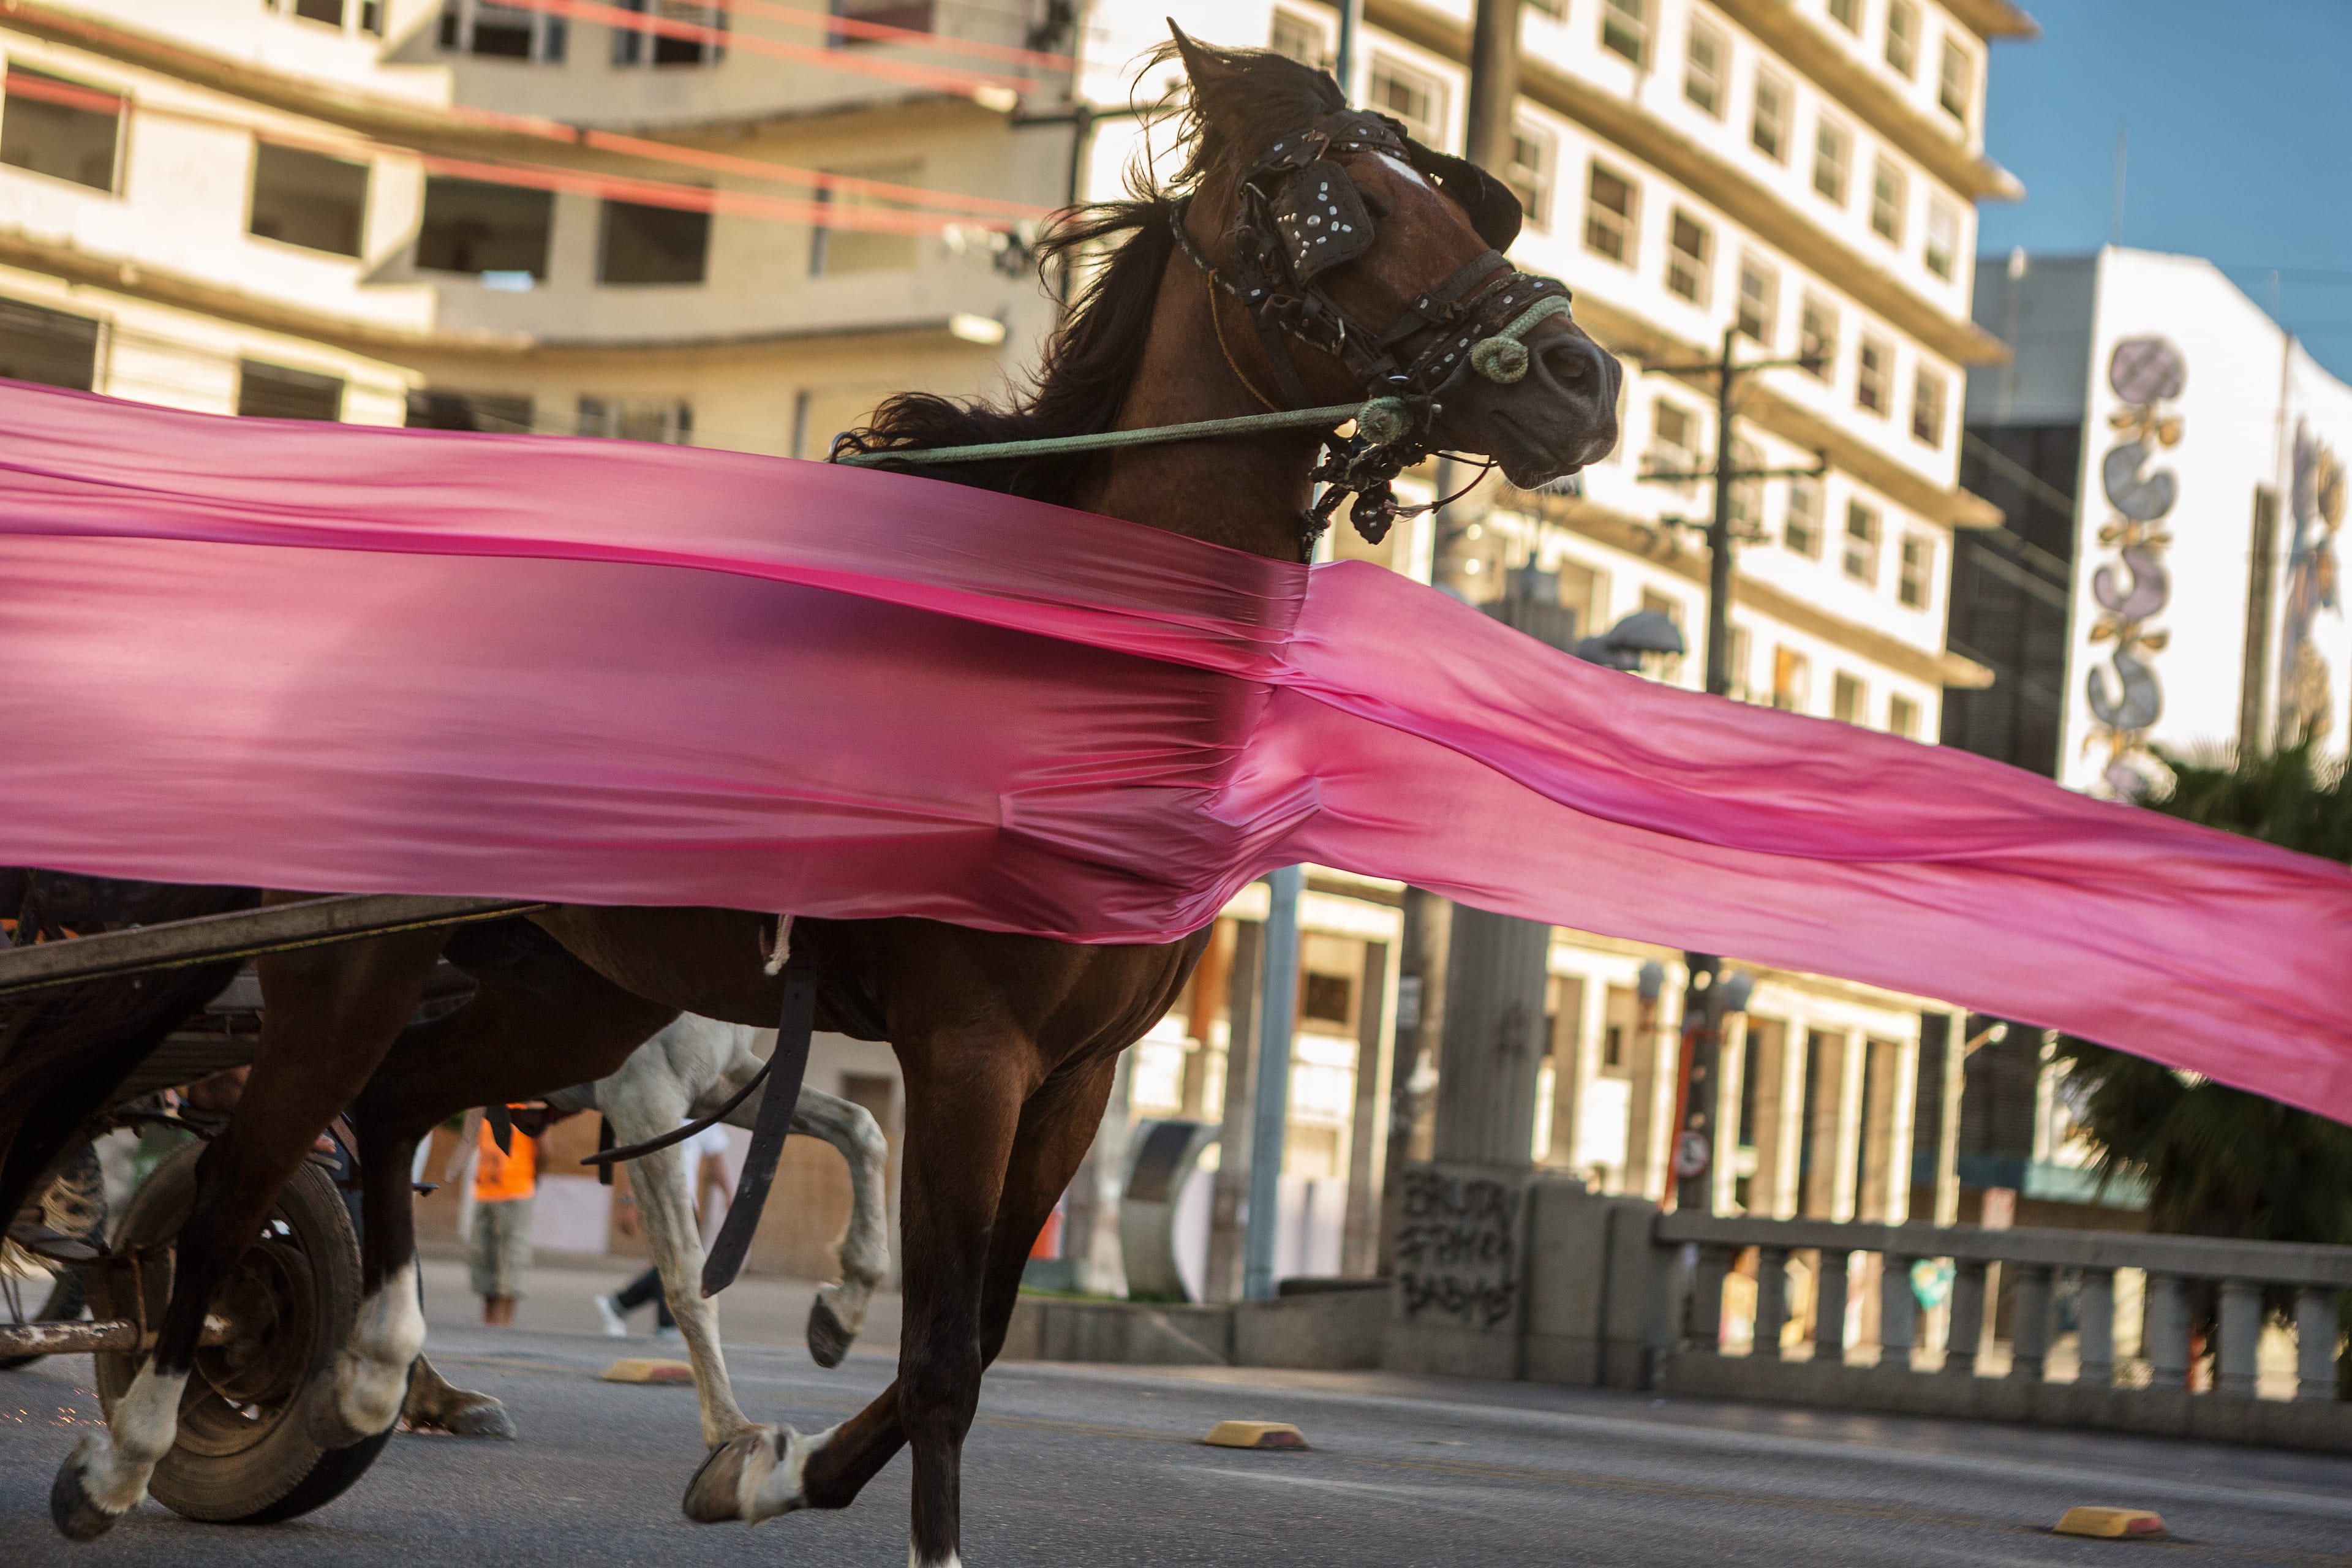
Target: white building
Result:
[[2208, 490]]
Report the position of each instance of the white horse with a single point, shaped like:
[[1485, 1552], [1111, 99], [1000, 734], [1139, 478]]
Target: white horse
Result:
[[690, 1069]]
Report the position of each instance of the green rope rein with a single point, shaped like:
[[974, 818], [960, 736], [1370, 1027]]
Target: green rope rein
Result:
[[1384, 419]]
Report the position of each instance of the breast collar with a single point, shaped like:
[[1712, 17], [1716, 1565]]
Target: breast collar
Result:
[[1299, 216]]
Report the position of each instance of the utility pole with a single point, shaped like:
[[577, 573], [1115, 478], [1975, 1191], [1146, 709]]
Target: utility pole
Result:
[[1270, 1106], [1352, 27], [1473, 983], [1692, 1153]]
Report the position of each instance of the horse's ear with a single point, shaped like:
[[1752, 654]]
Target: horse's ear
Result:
[[1216, 76]]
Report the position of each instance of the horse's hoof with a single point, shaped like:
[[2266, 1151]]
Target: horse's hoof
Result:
[[77, 1516], [740, 1481], [828, 1338], [483, 1416]]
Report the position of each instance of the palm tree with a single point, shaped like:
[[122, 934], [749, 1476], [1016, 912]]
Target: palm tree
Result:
[[2219, 1160]]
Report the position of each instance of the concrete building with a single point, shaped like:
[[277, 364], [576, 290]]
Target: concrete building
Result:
[[740, 224]]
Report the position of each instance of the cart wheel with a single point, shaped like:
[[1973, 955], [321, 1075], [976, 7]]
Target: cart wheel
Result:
[[244, 1454], [73, 1204]]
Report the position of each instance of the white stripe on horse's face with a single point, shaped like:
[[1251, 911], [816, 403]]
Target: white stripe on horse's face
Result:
[[372, 1371], [115, 1464], [1402, 170]]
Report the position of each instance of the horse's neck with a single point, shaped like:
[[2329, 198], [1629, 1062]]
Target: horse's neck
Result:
[[1245, 493]]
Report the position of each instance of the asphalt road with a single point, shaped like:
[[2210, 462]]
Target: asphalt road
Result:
[[1101, 1465]]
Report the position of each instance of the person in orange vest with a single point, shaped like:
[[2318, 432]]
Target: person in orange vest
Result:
[[504, 1184]]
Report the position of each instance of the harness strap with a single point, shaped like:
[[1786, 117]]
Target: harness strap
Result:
[[1441, 304], [787, 1068]]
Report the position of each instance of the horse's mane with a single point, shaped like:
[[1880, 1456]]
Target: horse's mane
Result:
[[1242, 100]]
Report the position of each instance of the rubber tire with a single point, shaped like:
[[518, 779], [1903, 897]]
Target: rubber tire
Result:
[[283, 1474]]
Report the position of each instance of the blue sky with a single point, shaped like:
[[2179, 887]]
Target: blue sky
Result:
[[2241, 143]]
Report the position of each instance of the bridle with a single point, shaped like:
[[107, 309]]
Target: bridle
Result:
[[1297, 217]]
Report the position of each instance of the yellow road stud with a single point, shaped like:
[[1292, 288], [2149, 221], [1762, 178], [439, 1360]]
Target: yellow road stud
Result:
[[640, 1369], [2112, 1523], [1254, 1434]]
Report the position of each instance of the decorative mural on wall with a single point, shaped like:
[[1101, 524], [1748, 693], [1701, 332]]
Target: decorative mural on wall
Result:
[[2133, 586], [2317, 498]]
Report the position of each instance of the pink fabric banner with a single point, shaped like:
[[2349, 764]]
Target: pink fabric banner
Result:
[[325, 657]]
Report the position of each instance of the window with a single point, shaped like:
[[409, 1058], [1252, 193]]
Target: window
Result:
[[309, 199], [502, 32], [1954, 82], [1669, 666], [1912, 572], [274, 392], [639, 419], [1793, 676], [1411, 97], [1740, 691], [1928, 407], [1943, 239], [834, 250], [1817, 337], [1625, 28], [1829, 161], [1767, 127], [1301, 39], [1746, 498], [1903, 717], [431, 409], [1861, 544], [1759, 299], [1329, 998], [1672, 447], [1800, 530], [1609, 216], [1689, 248], [61, 128], [692, 36], [1902, 37], [652, 245], [1848, 698], [1529, 174], [48, 346], [1875, 364], [1846, 13], [906, 15], [471, 227], [1704, 63], [1887, 190]]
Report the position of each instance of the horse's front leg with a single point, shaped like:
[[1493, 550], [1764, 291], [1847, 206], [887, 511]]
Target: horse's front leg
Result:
[[839, 1311], [665, 1197], [331, 1015], [365, 1391]]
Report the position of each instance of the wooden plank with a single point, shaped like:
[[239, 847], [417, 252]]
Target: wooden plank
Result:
[[241, 933]]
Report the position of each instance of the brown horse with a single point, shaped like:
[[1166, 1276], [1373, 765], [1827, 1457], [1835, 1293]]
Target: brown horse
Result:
[[1007, 1043]]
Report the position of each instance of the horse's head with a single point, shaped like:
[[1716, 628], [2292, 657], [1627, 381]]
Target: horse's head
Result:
[[1369, 265]]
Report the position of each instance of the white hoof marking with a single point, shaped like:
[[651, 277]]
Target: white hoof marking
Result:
[[115, 1464], [771, 1483], [372, 1372]]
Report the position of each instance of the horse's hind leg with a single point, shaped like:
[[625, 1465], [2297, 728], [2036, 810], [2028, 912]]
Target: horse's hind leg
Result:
[[331, 1015], [839, 1309], [539, 1021]]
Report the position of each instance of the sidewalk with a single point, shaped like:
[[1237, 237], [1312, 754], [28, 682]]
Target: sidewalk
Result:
[[754, 1310]]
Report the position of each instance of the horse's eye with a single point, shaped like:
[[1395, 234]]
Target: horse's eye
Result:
[[1374, 204]]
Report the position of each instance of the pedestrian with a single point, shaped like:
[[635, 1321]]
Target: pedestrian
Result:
[[706, 1156], [504, 1184]]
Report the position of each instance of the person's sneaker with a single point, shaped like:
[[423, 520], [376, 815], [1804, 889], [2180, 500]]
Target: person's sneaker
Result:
[[665, 1331], [610, 1310]]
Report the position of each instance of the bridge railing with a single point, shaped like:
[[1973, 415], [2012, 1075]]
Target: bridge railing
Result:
[[2238, 1280]]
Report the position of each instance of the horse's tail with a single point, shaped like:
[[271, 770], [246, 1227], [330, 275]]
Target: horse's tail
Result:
[[63, 1048]]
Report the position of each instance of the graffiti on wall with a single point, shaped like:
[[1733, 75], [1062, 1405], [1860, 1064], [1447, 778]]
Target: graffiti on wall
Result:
[[2133, 586], [2317, 498], [1457, 1255]]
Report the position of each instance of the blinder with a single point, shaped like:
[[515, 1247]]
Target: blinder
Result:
[[1299, 216]]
